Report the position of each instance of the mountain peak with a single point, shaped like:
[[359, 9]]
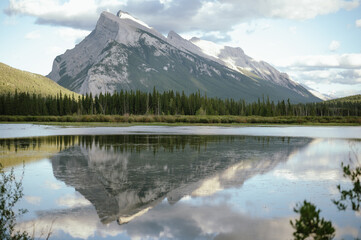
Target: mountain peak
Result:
[[125, 15], [194, 39], [123, 52], [120, 12], [173, 34]]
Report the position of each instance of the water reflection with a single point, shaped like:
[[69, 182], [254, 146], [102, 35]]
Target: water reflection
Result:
[[179, 221], [183, 187], [125, 176], [18, 150]]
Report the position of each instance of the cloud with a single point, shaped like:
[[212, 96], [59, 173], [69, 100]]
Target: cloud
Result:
[[81, 14], [52, 185], [334, 45], [350, 77], [358, 23], [333, 82], [35, 200], [215, 36], [346, 61], [180, 221], [72, 35], [338, 71], [78, 223], [304, 9], [71, 201], [180, 16], [33, 35]]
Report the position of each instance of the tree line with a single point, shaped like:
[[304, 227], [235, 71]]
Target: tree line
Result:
[[166, 103]]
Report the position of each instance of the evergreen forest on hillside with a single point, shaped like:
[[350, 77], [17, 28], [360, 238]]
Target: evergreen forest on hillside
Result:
[[166, 103]]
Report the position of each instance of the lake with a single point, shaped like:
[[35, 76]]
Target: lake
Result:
[[161, 182]]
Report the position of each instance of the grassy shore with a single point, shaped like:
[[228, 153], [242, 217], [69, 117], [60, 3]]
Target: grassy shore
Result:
[[112, 120]]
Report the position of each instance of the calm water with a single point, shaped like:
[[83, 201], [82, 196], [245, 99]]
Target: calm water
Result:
[[180, 183]]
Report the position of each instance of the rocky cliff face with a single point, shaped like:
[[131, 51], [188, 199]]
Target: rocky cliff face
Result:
[[124, 53]]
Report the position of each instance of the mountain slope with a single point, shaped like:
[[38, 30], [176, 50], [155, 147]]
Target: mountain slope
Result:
[[236, 59], [124, 53], [316, 93], [353, 99], [12, 79]]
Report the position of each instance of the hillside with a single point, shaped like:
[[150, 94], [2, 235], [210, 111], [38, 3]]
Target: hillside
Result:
[[354, 99], [12, 79], [123, 53]]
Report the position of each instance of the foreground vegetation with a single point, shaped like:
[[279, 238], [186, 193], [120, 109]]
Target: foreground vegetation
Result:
[[310, 225], [11, 191]]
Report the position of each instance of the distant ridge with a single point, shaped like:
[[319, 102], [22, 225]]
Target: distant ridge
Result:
[[12, 79], [353, 98]]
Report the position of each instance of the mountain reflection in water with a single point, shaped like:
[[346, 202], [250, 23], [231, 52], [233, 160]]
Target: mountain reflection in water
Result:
[[124, 176], [176, 186]]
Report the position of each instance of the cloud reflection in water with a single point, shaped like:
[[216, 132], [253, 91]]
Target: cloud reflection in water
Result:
[[189, 187]]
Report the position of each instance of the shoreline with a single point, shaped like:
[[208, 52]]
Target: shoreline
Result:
[[181, 120], [124, 124]]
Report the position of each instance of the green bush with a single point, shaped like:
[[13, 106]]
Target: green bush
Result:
[[11, 191]]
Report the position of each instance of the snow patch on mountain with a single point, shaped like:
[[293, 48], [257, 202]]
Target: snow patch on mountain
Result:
[[316, 93], [236, 59], [207, 47], [125, 15]]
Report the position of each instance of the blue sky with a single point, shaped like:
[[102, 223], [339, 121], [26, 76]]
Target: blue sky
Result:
[[318, 43]]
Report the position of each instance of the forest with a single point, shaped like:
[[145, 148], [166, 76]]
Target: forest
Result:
[[166, 103]]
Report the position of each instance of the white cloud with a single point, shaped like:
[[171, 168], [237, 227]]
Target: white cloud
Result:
[[33, 35], [332, 82], [74, 13], [306, 9], [52, 185], [35, 200], [338, 75], [183, 221], [358, 23], [181, 16], [81, 225], [334, 45], [72, 35], [71, 201], [346, 61]]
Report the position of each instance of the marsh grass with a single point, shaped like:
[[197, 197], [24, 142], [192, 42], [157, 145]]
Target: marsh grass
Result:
[[183, 119]]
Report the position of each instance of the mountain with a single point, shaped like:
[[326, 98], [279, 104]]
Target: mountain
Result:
[[235, 59], [125, 176], [353, 99], [316, 93], [12, 79], [123, 52]]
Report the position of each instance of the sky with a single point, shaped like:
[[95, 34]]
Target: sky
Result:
[[316, 42]]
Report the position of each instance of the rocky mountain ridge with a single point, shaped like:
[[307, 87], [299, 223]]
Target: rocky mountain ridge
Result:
[[123, 53]]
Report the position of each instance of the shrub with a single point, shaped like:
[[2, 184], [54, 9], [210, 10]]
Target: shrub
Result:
[[11, 191]]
